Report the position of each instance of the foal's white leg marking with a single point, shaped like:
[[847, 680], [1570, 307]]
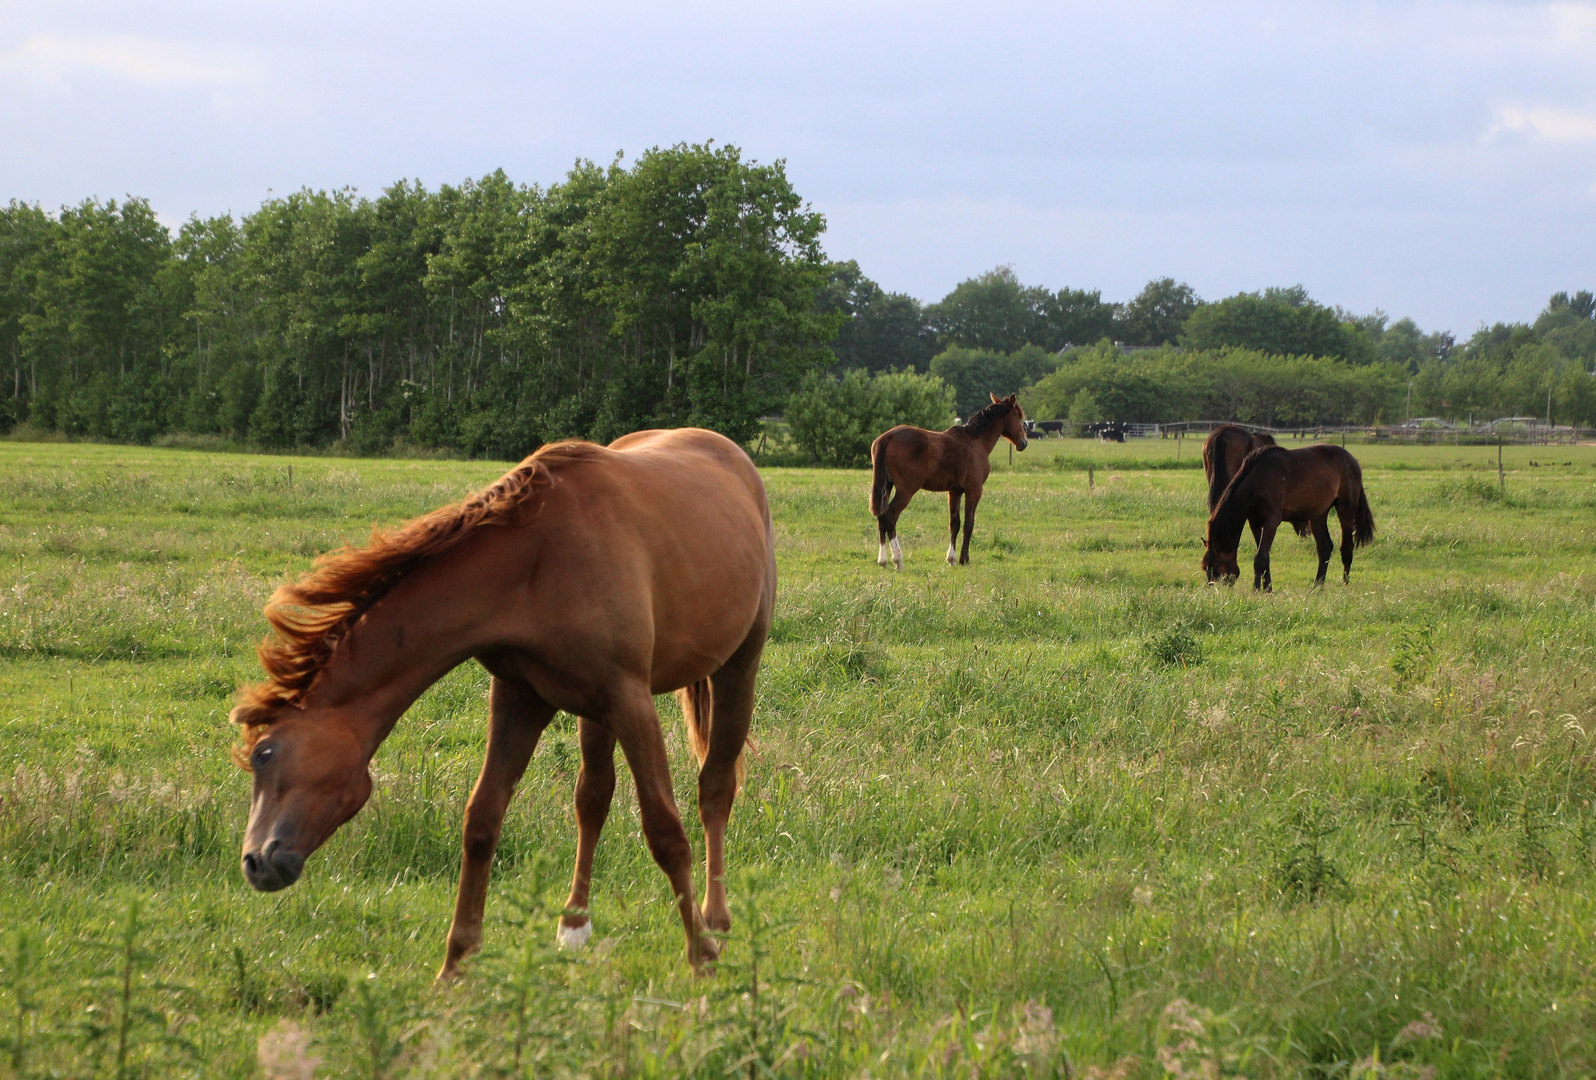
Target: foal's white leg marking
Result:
[[897, 553], [573, 937], [882, 558], [953, 554]]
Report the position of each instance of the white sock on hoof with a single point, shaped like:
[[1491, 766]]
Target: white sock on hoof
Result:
[[573, 937], [953, 556], [897, 554], [882, 558]]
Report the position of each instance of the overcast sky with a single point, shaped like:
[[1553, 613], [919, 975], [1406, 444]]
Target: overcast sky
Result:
[[1432, 159]]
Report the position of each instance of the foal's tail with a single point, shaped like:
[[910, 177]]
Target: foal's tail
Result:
[[1362, 521], [880, 480], [698, 708]]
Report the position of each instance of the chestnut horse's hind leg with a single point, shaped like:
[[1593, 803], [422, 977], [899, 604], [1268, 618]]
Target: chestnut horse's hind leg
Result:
[[953, 526], [595, 787], [889, 521], [718, 779], [971, 498], [518, 717], [1326, 547], [636, 726]]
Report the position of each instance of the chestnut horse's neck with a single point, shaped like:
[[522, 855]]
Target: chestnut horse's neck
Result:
[[428, 623], [985, 440]]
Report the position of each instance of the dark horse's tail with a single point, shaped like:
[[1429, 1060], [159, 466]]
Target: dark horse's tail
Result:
[[880, 480], [1362, 521]]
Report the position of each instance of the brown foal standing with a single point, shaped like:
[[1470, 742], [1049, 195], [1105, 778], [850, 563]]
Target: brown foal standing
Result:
[[908, 459], [587, 580]]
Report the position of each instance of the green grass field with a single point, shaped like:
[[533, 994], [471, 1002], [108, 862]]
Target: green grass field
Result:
[[1065, 811]]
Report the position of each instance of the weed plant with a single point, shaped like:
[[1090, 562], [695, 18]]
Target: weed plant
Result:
[[1066, 811]]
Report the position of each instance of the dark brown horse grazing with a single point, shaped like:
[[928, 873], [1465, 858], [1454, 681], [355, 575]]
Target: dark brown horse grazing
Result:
[[1223, 452], [587, 580], [958, 461], [1296, 486]]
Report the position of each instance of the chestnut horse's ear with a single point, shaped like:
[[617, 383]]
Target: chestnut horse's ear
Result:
[[248, 715], [1012, 399], [994, 397]]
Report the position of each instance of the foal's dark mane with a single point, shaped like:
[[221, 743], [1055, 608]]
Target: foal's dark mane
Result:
[[310, 616], [982, 421]]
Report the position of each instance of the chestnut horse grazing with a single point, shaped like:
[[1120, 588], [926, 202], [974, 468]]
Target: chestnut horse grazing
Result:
[[1223, 452], [588, 579], [1296, 486], [958, 461]]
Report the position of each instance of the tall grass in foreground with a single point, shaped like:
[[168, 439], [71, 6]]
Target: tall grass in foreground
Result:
[[1062, 812]]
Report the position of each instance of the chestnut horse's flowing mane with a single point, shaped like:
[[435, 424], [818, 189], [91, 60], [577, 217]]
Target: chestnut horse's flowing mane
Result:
[[310, 616], [983, 420]]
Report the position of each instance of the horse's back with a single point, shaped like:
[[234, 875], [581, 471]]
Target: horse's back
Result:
[[666, 536], [924, 460]]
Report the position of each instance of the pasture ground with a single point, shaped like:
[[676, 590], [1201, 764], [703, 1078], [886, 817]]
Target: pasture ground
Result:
[[1064, 811]]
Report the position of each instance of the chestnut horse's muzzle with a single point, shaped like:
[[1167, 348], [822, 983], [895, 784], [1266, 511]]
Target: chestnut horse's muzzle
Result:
[[273, 867]]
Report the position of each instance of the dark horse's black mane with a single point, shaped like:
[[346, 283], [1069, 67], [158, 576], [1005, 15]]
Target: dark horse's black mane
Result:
[[983, 420], [1230, 515]]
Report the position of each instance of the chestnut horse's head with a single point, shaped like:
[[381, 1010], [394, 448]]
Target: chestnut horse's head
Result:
[[1219, 565], [1014, 422], [311, 776]]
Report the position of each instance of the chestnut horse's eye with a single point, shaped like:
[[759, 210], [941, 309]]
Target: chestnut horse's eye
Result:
[[261, 756]]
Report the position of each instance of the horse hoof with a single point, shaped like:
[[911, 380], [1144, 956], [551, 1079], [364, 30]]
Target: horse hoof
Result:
[[573, 937]]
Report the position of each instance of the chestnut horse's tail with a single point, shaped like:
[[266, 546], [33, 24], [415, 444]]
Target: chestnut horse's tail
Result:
[[698, 708], [1362, 521], [880, 479]]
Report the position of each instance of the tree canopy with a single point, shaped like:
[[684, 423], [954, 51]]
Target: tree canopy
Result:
[[485, 318]]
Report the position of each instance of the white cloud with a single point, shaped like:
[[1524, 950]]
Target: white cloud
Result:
[[50, 61], [1553, 125], [1574, 24]]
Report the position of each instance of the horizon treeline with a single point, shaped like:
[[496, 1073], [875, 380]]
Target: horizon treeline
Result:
[[1270, 357], [485, 319], [688, 288]]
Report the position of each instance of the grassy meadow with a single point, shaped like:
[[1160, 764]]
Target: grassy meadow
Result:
[[1065, 811]]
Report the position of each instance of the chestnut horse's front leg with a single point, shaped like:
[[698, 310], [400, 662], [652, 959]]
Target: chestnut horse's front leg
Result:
[[518, 717], [953, 526], [595, 787], [971, 498]]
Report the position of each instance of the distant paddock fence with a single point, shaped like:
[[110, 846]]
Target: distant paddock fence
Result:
[[1510, 431]]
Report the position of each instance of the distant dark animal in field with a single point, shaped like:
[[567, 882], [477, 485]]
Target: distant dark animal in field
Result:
[[908, 459], [1052, 427], [1223, 453], [587, 579], [1295, 486], [1108, 430]]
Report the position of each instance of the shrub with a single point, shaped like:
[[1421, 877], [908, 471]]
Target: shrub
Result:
[[834, 420]]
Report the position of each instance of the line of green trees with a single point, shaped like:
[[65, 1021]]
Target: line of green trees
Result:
[[1271, 357], [485, 318], [688, 288]]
